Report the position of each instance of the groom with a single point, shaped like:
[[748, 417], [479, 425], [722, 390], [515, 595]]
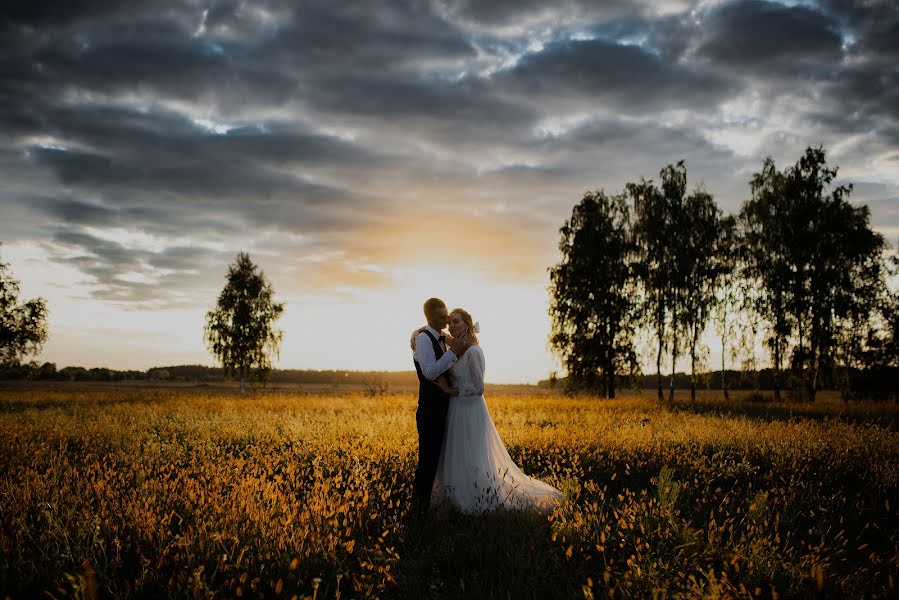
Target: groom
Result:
[[432, 359]]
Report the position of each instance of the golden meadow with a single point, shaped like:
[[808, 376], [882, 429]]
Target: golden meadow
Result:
[[149, 492]]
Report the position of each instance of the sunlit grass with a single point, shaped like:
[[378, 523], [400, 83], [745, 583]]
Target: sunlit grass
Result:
[[151, 492]]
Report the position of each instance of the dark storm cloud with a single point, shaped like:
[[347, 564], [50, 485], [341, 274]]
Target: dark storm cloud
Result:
[[358, 37], [108, 251], [213, 179], [763, 37], [833, 62], [23, 13], [131, 158], [864, 91], [161, 136], [539, 14], [148, 57], [232, 53], [77, 212], [303, 123], [864, 94], [448, 111], [626, 78], [874, 24], [501, 11]]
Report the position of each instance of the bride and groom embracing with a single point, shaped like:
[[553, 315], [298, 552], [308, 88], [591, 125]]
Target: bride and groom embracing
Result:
[[461, 460]]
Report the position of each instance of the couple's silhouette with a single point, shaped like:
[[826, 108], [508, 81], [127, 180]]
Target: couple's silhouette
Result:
[[462, 462]]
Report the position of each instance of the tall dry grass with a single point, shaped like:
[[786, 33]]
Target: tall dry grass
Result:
[[159, 492]]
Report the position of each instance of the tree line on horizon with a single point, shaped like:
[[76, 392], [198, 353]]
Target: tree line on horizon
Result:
[[49, 371], [798, 269], [379, 380]]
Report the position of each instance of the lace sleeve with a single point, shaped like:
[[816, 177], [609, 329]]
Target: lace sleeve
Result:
[[474, 380]]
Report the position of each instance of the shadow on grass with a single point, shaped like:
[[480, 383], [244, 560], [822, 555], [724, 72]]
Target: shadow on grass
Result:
[[496, 555]]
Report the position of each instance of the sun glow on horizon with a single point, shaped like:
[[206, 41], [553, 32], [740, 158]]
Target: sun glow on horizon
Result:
[[349, 327], [370, 329]]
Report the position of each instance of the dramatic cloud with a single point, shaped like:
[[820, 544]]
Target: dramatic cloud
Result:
[[625, 78], [769, 38], [143, 144]]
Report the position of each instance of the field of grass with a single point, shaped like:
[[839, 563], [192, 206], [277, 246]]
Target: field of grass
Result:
[[153, 492]]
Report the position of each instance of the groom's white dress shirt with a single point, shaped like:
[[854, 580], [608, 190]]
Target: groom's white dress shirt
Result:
[[431, 366]]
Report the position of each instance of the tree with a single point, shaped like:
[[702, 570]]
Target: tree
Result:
[[704, 250], [47, 371], [868, 353], [239, 332], [836, 261], [674, 188], [651, 224], [765, 265], [23, 327], [661, 229], [817, 264], [727, 294], [592, 294]]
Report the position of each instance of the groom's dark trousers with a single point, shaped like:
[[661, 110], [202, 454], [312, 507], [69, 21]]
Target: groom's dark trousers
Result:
[[430, 417]]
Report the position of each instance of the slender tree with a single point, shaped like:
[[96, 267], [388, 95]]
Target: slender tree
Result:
[[240, 330], [727, 294], [651, 227], [765, 269], [592, 294], [702, 250], [23, 325], [677, 232]]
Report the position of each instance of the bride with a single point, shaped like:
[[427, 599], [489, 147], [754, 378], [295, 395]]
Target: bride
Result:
[[475, 472]]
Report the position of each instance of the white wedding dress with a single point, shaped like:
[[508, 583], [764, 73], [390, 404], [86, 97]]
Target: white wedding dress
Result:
[[475, 473]]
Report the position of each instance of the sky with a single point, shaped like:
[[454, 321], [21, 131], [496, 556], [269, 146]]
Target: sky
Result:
[[371, 155]]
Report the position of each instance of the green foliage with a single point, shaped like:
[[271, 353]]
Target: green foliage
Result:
[[23, 326], [869, 355], [733, 331], [593, 294], [766, 266], [239, 331], [674, 189], [705, 253], [800, 265], [814, 262], [652, 230], [683, 249]]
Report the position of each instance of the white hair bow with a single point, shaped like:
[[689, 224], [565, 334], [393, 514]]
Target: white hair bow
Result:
[[477, 327]]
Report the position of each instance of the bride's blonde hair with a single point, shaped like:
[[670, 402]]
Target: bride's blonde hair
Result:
[[469, 323]]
